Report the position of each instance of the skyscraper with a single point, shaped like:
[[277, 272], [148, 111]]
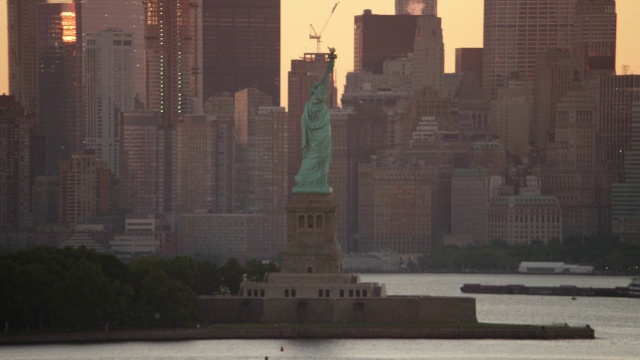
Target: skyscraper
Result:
[[145, 179], [59, 93], [241, 46], [382, 37], [14, 157], [594, 41], [555, 71], [514, 33], [417, 7], [23, 60], [428, 54], [126, 16], [108, 74], [173, 32]]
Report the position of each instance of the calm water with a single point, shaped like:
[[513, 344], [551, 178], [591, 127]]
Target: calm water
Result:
[[617, 324]]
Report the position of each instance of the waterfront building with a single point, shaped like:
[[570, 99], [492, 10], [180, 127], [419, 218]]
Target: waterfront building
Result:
[[173, 33], [490, 155], [15, 211], [514, 33], [470, 192], [108, 74], [381, 37], [241, 47], [521, 219]]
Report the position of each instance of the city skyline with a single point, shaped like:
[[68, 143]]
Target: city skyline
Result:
[[297, 16]]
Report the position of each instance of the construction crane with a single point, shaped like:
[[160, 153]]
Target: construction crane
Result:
[[318, 35]]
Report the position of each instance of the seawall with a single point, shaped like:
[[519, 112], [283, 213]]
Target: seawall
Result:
[[319, 331]]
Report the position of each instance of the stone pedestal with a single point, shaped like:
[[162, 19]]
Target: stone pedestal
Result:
[[312, 246]]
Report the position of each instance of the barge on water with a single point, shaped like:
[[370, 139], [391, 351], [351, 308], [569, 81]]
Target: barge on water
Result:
[[563, 290]]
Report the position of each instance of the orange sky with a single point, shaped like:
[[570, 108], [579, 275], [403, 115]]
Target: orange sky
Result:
[[461, 20]]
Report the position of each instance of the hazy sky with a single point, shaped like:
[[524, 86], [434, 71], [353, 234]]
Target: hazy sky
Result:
[[461, 21]]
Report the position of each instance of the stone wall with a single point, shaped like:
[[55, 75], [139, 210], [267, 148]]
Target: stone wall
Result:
[[389, 310]]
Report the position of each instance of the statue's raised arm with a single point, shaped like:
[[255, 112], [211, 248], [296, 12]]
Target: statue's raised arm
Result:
[[316, 137]]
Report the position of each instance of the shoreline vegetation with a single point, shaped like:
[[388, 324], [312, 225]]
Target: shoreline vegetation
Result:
[[312, 331]]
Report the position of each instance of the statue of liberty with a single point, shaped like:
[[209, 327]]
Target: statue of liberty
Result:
[[316, 138]]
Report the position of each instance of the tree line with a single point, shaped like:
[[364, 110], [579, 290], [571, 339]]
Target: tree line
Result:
[[72, 289], [608, 255]]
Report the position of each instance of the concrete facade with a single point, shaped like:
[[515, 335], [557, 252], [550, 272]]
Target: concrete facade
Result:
[[388, 310]]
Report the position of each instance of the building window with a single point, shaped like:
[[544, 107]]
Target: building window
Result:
[[310, 270], [319, 221], [341, 292], [358, 293], [327, 293], [293, 292], [310, 221], [301, 222], [364, 293], [261, 292], [350, 292], [286, 292], [320, 292]]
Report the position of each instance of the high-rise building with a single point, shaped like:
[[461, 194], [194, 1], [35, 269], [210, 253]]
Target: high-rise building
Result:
[[520, 219], [15, 174], [625, 197], [126, 16], [428, 54], [145, 180], [261, 162], [555, 70], [81, 184], [108, 74], [616, 95], [303, 73], [23, 60], [241, 46], [59, 91], [571, 171], [395, 209], [382, 37], [513, 113], [196, 151], [470, 60], [594, 42], [417, 7], [470, 192], [173, 34], [514, 33]]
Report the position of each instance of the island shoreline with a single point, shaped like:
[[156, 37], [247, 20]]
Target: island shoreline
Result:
[[312, 331]]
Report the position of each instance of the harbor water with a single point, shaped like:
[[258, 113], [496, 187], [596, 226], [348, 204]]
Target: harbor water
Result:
[[615, 320]]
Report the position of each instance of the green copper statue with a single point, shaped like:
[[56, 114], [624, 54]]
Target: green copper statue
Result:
[[316, 138]]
